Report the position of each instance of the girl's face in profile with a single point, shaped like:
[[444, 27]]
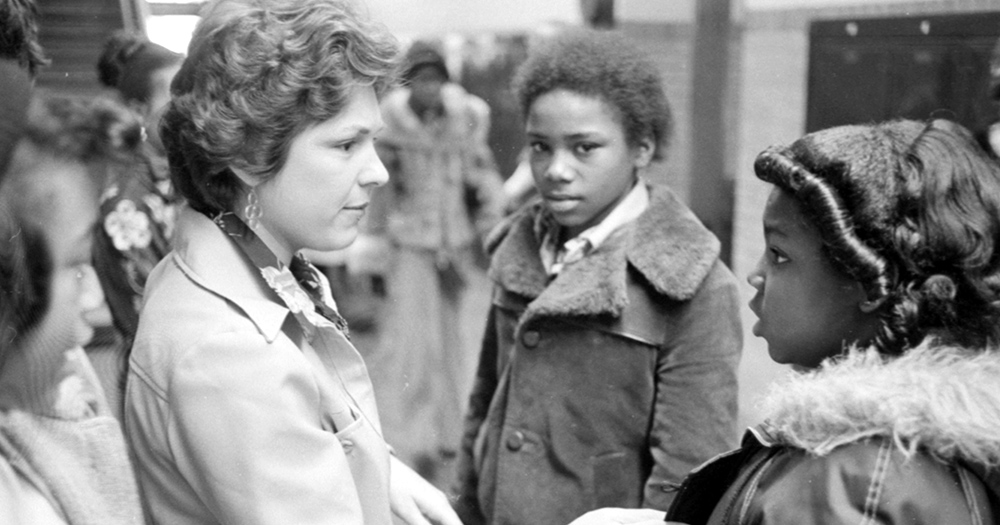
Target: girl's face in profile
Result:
[[74, 291], [321, 193], [580, 159], [807, 309]]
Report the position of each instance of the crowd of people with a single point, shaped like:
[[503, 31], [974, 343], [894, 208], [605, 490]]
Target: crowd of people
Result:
[[169, 354]]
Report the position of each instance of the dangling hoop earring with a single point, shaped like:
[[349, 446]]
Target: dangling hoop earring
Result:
[[252, 211]]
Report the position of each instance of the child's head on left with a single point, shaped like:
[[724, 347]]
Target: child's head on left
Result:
[[48, 206], [595, 113], [880, 234]]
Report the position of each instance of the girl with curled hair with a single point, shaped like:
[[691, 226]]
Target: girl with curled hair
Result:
[[63, 457], [879, 281], [246, 401]]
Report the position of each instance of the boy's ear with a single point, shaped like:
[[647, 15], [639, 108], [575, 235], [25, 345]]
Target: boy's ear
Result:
[[644, 153]]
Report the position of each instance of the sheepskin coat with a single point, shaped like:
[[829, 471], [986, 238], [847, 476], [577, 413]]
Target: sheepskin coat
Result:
[[912, 440], [606, 385]]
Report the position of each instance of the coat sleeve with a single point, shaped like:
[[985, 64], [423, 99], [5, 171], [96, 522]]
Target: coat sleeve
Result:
[[245, 433], [696, 397], [866, 482], [483, 389]]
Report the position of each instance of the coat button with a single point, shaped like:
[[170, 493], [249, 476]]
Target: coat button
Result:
[[515, 441], [531, 338], [347, 445]]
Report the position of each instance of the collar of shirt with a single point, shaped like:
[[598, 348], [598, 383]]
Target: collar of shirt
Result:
[[555, 258]]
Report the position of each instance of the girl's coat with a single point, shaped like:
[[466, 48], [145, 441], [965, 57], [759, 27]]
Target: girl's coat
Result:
[[911, 440]]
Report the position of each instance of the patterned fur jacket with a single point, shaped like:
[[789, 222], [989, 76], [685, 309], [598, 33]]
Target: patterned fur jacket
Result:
[[865, 440]]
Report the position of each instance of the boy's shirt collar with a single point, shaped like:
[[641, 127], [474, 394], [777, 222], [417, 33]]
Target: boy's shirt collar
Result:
[[555, 258]]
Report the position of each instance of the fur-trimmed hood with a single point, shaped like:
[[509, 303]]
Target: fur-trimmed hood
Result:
[[667, 245], [937, 399]]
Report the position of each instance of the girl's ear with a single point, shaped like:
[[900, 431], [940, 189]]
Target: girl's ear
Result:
[[871, 305], [644, 153]]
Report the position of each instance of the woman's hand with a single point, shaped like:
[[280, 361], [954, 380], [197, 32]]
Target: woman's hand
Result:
[[616, 516], [415, 501]]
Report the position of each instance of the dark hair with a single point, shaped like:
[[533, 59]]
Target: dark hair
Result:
[[128, 62], [19, 34], [92, 132], [910, 210], [257, 74], [422, 54], [601, 64]]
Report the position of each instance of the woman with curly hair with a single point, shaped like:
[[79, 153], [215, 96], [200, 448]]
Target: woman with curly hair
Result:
[[880, 280], [608, 368], [246, 401], [63, 458]]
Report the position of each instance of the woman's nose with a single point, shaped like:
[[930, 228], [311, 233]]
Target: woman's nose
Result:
[[375, 173]]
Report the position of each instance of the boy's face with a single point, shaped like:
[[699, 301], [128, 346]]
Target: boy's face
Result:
[[580, 159], [807, 309]]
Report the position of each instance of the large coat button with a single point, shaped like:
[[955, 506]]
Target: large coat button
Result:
[[515, 441], [531, 338]]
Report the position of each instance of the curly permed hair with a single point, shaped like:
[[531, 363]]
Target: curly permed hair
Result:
[[258, 72], [97, 133], [601, 64], [910, 210]]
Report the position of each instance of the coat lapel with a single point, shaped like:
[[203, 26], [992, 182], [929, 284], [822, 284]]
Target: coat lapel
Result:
[[667, 245]]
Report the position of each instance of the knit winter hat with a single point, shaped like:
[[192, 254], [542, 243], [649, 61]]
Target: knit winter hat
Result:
[[423, 54], [848, 180], [15, 84]]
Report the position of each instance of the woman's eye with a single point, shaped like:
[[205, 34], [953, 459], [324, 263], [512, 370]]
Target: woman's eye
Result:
[[586, 147], [347, 146]]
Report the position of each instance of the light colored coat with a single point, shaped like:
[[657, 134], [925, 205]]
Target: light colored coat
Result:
[[235, 415]]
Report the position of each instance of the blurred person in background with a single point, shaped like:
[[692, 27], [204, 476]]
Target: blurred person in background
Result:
[[608, 364], [63, 458], [443, 196], [138, 204], [246, 401], [993, 132], [19, 35]]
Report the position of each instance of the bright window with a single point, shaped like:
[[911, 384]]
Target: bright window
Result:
[[170, 23]]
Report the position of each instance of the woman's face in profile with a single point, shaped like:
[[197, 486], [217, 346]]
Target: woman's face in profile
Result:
[[74, 291], [322, 192]]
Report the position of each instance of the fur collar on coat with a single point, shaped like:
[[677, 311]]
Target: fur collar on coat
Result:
[[941, 400], [667, 245]]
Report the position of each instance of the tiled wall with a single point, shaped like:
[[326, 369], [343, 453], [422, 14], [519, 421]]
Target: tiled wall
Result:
[[767, 105], [771, 100]]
